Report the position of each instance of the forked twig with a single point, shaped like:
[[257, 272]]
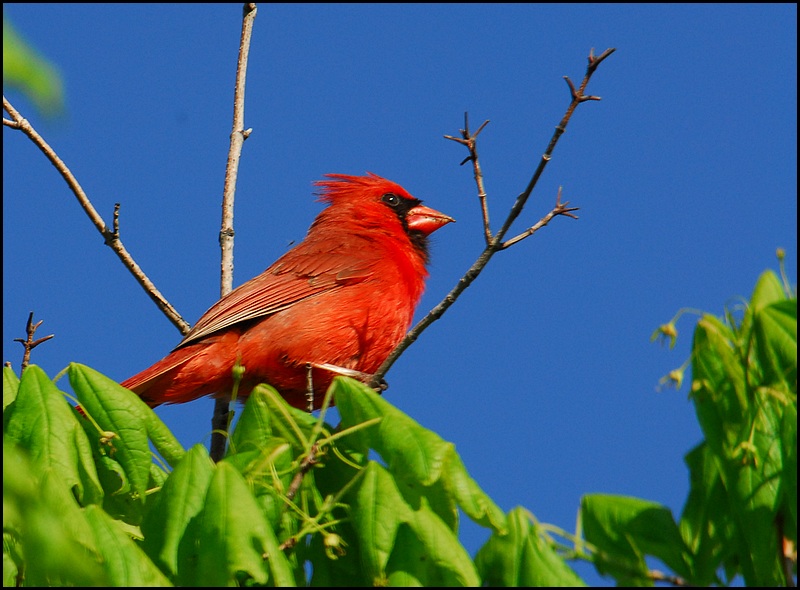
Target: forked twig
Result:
[[559, 209], [495, 244], [110, 236], [29, 343], [469, 139]]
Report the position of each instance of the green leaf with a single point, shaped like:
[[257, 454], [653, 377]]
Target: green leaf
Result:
[[26, 70], [768, 290], [788, 508], [743, 382], [125, 563], [624, 530], [522, 557], [706, 523], [379, 512], [43, 524], [42, 422], [775, 329], [162, 438], [346, 569], [10, 386], [753, 476], [180, 500], [719, 388], [235, 542], [414, 454], [121, 416], [286, 422], [254, 428], [267, 471]]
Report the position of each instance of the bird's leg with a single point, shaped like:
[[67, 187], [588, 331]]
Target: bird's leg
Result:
[[310, 386], [360, 375]]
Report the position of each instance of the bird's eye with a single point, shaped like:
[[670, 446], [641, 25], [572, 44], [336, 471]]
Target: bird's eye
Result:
[[391, 199]]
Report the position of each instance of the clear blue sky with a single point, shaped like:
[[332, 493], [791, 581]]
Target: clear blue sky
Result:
[[542, 374]]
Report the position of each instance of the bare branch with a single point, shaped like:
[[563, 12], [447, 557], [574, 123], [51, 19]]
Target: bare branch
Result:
[[496, 243], [238, 135], [469, 140], [29, 343], [559, 209], [110, 237], [577, 98], [307, 463], [219, 421]]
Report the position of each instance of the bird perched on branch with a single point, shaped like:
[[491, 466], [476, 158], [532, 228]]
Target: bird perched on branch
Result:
[[336, 303]]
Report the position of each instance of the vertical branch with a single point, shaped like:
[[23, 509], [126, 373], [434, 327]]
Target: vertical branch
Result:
[[238, 135], [219, 422]]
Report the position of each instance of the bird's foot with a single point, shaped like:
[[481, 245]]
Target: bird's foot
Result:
[[360, 375]]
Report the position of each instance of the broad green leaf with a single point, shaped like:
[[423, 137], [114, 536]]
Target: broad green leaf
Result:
[[47, 527], [157, 477], [253, 429], [42, 422], [286, 422], [740, 407], [624, 530], [268, 473], [125, 563], [235, 542], [12, 560], [414, 454], [470, 497], [706, 523], [10, 386], [427, 554], [378, 510], [446, 562], [719, 390], [411, 564], [162, 438], [335, 568], [522, 557], [753, 476], [122, 416], [180, 501], [768, 290], [788, 509], [775, 330]]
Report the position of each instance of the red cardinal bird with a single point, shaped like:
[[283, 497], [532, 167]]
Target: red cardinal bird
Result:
[[339, 301]]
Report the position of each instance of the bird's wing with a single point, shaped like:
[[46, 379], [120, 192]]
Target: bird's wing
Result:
[[304, 272]]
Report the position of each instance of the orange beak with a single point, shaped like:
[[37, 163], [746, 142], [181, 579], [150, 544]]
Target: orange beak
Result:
[[426, 220]]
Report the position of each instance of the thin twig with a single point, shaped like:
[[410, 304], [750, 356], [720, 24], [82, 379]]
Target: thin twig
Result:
[[29, 343], [559, 209], [308, 462], [496, 243], [578, 97], [658, 576], [110, 236], [219, 421], [470, 140]]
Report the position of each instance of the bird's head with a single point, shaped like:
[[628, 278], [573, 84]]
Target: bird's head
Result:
[[375, 199]]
